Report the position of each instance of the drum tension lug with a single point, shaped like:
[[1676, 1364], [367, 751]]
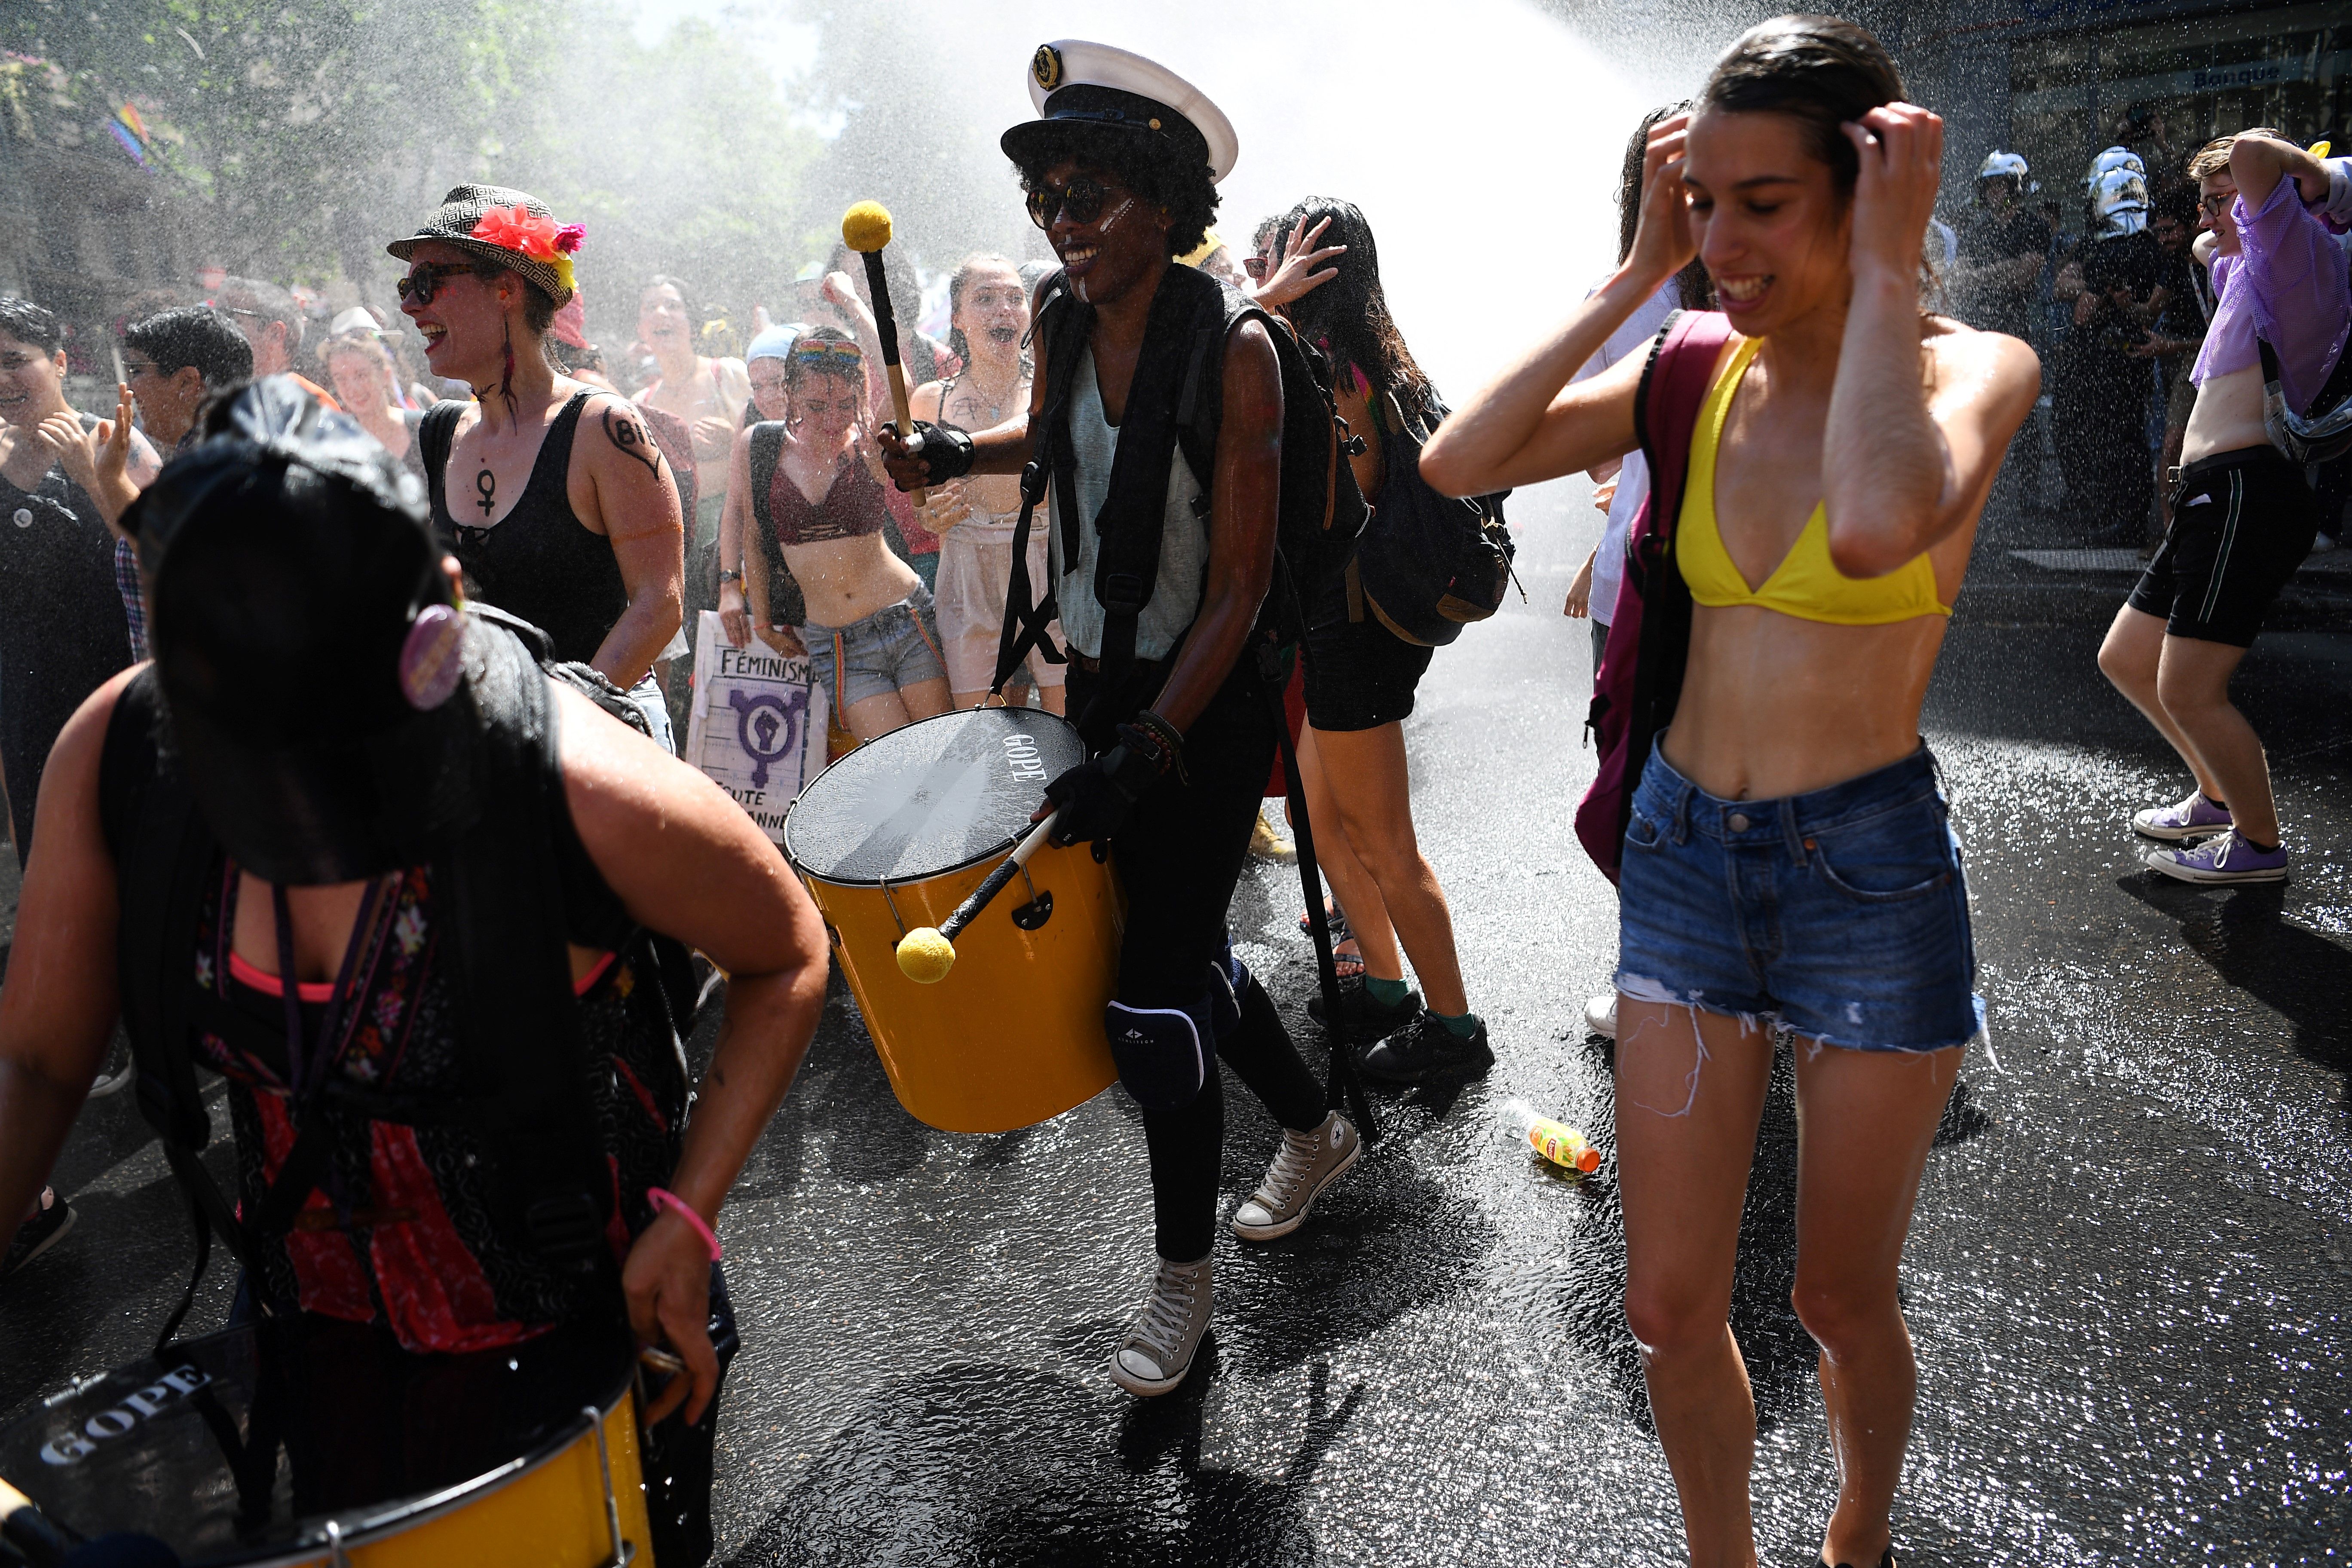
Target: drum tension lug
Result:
[[1038, 910], [893, 903], [624, 1551]]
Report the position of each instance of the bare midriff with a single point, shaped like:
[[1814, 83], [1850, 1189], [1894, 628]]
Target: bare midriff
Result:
[[1776, 706], [2227, 416], [846, 580]]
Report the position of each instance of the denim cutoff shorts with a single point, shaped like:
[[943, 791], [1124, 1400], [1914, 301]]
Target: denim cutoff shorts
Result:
[[895, 647], [1842, 913]]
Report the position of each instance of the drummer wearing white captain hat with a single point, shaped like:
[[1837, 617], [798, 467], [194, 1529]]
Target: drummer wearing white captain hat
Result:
[[1122, 168]]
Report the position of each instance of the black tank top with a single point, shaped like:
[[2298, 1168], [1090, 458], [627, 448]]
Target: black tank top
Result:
[[538, 562]]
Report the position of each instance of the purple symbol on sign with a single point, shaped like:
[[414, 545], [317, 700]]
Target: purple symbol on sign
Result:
[[767, 726]]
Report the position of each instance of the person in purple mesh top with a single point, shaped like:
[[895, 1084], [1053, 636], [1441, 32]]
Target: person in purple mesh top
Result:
[[2243, 516]]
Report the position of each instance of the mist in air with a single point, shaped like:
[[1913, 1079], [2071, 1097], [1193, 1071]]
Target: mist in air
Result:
[[1481, 137]]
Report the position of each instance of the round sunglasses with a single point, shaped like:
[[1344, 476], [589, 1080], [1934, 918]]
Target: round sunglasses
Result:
[[1082, 199]]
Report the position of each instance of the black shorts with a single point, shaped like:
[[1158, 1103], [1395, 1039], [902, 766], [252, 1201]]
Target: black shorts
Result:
[[1360, 675], [2241, 523]]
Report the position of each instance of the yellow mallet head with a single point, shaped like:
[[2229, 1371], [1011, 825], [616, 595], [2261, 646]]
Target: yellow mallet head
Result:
[[924, 955], [865, 228]]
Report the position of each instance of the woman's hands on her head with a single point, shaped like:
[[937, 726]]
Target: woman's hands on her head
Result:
[[1662, 245], [1901, 147]]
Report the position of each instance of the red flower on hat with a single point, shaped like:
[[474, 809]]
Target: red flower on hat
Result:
[[568, 237], [521, 230]]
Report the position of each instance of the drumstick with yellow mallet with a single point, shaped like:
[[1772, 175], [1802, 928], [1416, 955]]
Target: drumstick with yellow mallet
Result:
[[866, 229], [928, 953]]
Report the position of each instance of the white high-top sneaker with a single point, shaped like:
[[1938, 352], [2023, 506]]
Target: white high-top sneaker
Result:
[[1305, 1165], [1157, 1351]]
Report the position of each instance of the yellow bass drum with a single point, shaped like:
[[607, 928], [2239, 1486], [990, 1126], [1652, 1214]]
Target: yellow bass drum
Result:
[[893, 837]]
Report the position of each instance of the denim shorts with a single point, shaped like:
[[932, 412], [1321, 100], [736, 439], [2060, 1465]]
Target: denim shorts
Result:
[[1842, 913], [895, 647]]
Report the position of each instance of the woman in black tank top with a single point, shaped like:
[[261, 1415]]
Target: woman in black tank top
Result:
[[538, 562], [552, 495]]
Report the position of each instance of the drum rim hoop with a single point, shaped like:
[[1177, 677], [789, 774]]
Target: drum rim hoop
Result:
[[994, 851], [372, 1522], [364, 1528]]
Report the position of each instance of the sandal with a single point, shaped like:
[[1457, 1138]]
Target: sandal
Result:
[[1333, 915], [1348, 960]]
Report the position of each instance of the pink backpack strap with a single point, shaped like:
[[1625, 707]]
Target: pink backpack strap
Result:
[[1640, 680]]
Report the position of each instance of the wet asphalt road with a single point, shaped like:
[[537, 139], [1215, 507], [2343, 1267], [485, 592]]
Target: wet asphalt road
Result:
[[2128, 1278]]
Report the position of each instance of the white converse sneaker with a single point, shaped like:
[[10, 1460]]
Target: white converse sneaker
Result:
[[1158, 1351], [1305, 1165], [1601, 1016]]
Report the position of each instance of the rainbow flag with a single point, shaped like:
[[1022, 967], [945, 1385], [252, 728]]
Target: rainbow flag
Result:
[[131, 131]]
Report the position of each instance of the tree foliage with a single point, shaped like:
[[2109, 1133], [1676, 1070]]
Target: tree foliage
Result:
[[298, 136]]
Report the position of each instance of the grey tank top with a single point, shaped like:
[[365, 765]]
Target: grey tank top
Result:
[[1183, 544]]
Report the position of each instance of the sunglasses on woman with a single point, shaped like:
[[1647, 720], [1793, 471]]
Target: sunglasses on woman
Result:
[[423, 282], [1082, 198]]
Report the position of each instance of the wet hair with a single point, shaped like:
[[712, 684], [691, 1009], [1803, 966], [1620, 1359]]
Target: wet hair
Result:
[[1821, 71], [2213, 158], [1349, 317], [35, 326], [958, 281], [193, 335], [1150, 166], [799, 366], [1692, 287]]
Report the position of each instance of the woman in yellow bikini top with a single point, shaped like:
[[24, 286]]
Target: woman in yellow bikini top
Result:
[[1786, 854], [1807, 583]]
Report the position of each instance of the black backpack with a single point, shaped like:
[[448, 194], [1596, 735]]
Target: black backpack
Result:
[[1428, 564], [1177, 402]]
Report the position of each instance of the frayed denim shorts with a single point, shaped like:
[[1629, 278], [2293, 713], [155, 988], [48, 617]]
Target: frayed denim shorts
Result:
[[895, 647], [1842, 913]]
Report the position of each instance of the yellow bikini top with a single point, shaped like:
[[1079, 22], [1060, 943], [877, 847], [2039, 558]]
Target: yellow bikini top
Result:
[[1807, 584]]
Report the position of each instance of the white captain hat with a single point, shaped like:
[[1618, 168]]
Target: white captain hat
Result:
[[1073, 82]]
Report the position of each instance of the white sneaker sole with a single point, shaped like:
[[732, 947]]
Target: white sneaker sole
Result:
[[2181, 873], [1281, 1229], [2178, 835]]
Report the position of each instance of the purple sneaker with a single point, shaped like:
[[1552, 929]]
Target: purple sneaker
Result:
[[2227, 858], [2195, 817]]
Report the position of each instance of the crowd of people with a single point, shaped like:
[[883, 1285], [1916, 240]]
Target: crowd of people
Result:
[[1794, 442]]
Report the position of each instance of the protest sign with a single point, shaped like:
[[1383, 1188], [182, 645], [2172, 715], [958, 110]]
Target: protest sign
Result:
[[759, 723]]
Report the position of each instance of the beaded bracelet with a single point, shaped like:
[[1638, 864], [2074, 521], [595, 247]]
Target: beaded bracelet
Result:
[[663, 1198]]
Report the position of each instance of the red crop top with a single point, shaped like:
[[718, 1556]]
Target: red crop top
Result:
[[852, 507]]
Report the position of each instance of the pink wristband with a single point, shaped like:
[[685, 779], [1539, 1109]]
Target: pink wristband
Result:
[[663, 1198]]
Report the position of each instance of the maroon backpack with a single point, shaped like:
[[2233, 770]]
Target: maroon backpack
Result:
[[1641, 675]]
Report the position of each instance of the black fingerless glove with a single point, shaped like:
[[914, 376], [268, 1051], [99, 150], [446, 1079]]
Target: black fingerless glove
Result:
[[945, 450], [1096, 796]]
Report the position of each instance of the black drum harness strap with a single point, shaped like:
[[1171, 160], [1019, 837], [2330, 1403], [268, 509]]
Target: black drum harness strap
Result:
[[1175, 401]]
